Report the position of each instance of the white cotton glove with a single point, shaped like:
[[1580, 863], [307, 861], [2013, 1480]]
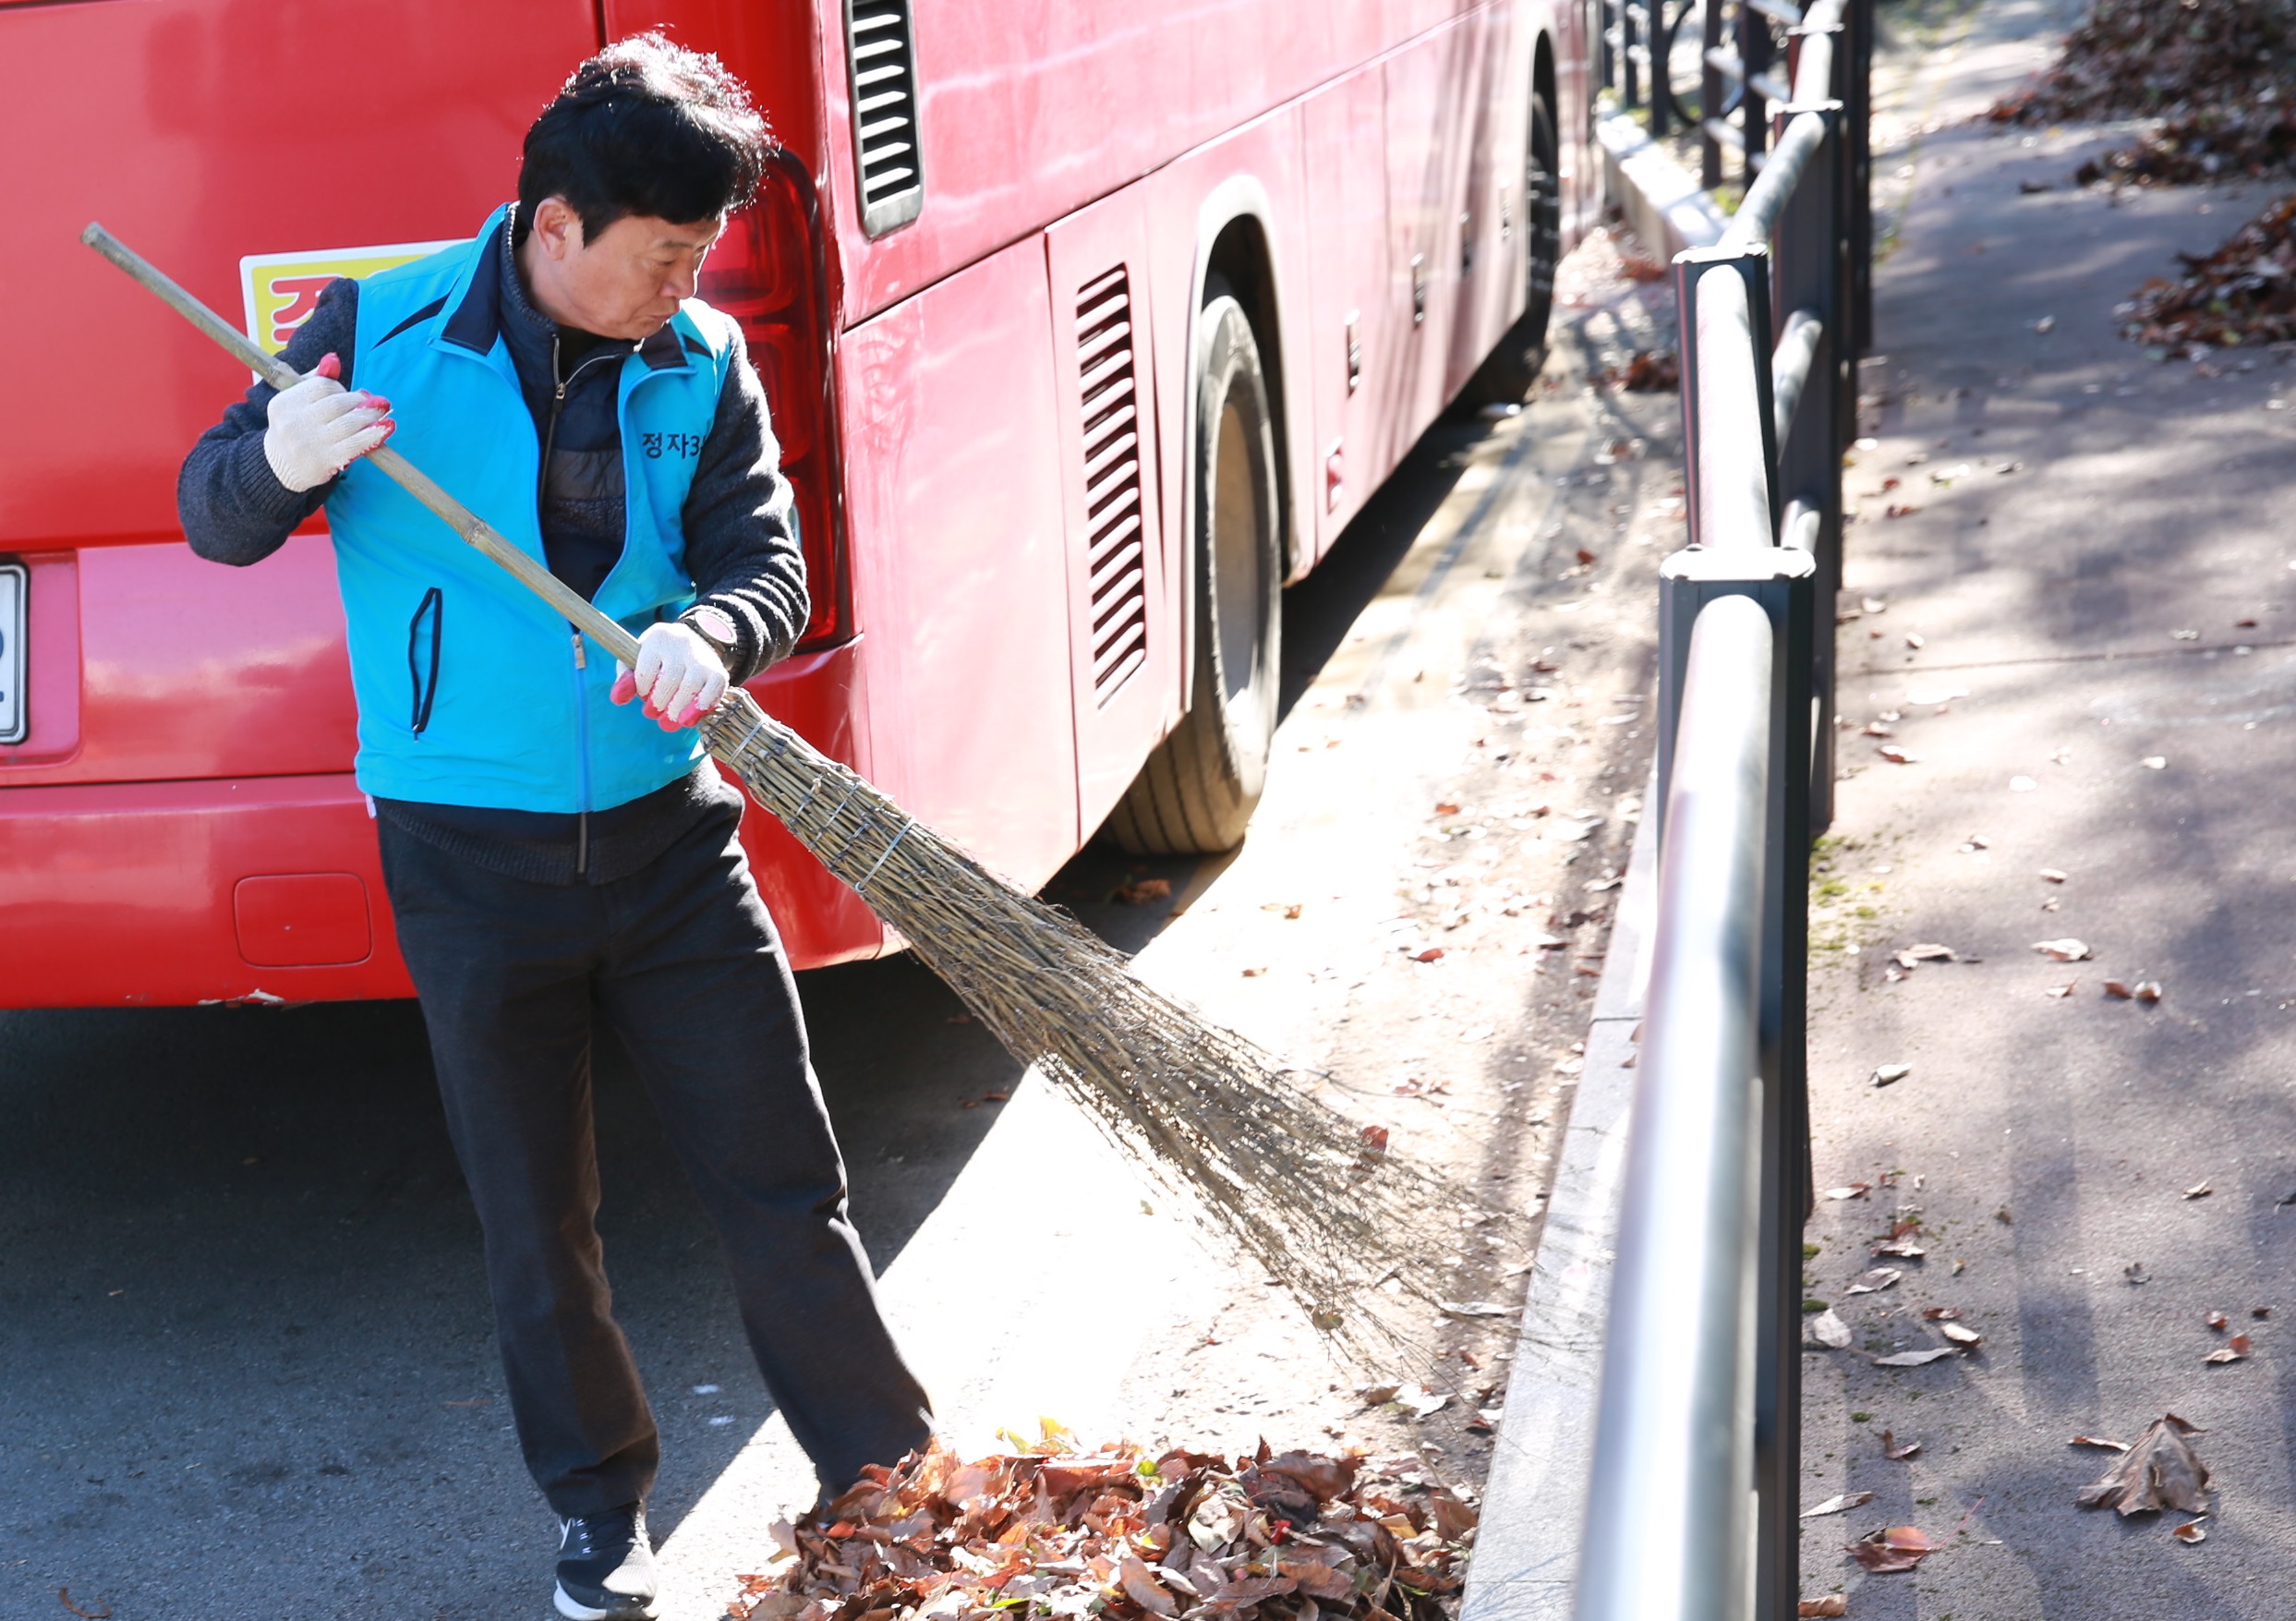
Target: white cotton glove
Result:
[[678, 675], [318, 428]]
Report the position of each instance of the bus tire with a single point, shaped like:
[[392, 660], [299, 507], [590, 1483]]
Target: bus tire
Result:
[[1507, 374], [1198, 790]]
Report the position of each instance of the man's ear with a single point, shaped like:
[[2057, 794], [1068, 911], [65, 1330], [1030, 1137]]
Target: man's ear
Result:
[[558, 225]]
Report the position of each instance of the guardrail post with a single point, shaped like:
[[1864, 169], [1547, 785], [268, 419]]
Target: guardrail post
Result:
[[1629, 79], [1755, 50], [1781, 580], [1811, 273], [1751, 263], [1709, 98], [1854, 70]]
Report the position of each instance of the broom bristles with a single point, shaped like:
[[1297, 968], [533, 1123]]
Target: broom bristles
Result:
[[1292, 1180]]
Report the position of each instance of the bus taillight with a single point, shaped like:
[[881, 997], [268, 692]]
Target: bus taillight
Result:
[[769, 272]]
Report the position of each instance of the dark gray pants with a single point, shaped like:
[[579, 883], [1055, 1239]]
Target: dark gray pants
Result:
[[682, 961]]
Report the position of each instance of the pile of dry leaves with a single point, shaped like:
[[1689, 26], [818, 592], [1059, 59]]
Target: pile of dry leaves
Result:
[[2219, 74], [2244, 293], [1049, 1530]]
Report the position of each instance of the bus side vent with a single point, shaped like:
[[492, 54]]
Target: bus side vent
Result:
[[881, 58], [1116, 540]]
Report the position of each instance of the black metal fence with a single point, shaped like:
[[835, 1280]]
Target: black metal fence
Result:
[[1720, 67], [1701, 1382]]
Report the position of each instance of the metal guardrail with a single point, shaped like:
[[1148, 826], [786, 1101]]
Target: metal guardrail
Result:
[[1693, 1502]]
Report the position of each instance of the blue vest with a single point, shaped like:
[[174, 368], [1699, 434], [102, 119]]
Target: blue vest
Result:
[[470, 691]]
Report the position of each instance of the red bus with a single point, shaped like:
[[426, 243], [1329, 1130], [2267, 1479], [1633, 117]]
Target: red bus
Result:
[[1084, 325]]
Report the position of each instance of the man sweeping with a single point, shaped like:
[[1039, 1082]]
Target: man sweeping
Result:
[[557, 848]]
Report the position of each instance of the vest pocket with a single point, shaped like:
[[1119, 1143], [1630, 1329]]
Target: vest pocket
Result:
[[422, 656]]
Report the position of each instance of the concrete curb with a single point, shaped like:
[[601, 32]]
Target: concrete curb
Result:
[[1662, 201], [1526, 1558], [1526, 1551]]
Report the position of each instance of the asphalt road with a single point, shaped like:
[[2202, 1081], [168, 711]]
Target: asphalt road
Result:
[[246, 1362], [2097, 577]]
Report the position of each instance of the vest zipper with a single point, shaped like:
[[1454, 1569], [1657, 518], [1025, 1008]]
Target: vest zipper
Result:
[[582, 743], [582, 697]]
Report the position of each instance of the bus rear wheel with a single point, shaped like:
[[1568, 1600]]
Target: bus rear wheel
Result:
[[1198, 790]]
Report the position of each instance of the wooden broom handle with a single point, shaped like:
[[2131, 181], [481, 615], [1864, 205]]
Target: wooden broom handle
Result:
[[617, 642]]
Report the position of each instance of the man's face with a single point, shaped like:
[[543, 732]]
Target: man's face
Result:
[[624, 285]]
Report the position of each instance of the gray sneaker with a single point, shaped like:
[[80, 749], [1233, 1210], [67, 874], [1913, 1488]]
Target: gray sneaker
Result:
[[606, 1566]]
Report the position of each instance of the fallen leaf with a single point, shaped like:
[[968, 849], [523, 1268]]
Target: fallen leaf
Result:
[[1874, 1282], [1915, 1359], [2134, 1271], [2190, 1531], [1447, 808], [2065, 989], [1841, 1505], [1377, 1395], [103, 1612], [1928, 951], [2052, 874], [1960, 1335], [2260, 1311], [1288, 907], [2154, 762], [1895, 510], [1940, 1313], [1828, 1331], [1890, 751], [1431, 954], [2160, 1470], [1143, 1588], [2218, 1320], [1853, 1191], [1886, 1553], [1423, 1401], [2098, 1440], [1875, 729], [1886, 1074], [1915, 640], [2233, 1350], [2064, 950], [2200, 1190], [1832, 1604], [1893, 1452], [1904, 1248], [2148, 990], [1140, 891], [2114, 987]]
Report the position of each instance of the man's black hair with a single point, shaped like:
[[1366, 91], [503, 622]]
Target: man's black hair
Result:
[[645, 127]]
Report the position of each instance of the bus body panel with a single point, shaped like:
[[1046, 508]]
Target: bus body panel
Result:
[[954, 483], [199, 132], [1098, 269], [1345, 128], [1017, 102]]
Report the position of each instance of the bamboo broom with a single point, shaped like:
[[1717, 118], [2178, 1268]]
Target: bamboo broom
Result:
[[1304, 1190]]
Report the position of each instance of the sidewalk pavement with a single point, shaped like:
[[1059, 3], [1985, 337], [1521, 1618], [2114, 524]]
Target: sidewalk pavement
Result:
[[2081, 628]]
